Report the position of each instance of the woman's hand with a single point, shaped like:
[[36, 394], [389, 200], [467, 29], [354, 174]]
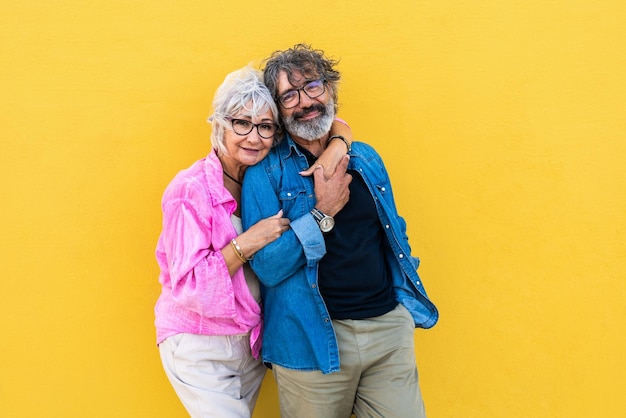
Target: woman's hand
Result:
[[255, 238], [334, 151], [262, 233]]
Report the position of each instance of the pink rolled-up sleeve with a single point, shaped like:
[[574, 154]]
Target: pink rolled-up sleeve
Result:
[[197, 272]]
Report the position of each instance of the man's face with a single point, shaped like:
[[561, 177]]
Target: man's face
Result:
[[310, 119]]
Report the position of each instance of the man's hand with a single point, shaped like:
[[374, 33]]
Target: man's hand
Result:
[[332, 193]]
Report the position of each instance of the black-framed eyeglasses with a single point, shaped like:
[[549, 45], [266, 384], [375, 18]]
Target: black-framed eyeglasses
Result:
[[243, 127], [312, 89]]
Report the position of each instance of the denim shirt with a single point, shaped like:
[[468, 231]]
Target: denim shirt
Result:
[[298, 331]]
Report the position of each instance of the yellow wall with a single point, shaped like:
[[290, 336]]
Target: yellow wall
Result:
[[501, 121]]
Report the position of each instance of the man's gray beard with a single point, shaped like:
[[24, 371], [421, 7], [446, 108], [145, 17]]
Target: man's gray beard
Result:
[[311, 130]]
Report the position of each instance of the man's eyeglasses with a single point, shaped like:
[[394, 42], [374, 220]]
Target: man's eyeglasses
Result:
[[312, 89], [243, 127]]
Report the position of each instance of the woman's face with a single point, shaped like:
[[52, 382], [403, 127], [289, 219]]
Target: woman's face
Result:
[[249, 148]]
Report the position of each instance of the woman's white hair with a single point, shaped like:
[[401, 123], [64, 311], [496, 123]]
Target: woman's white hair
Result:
[[241, 90]]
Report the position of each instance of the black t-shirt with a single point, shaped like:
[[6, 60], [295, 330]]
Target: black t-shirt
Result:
[[354, 278]]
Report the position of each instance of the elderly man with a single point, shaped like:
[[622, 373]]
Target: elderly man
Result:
[[341, 292]]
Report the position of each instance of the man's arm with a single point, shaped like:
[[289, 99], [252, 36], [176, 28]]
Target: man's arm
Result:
[[303, 242], [282, 258]]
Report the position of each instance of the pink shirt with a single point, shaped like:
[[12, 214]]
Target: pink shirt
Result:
[[198, 295]]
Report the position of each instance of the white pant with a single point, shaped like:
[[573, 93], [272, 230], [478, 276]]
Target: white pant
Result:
[[213, 376]]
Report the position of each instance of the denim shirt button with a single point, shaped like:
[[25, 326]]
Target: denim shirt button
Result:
[[387, 226], [417, 283], [326, 320], [401, 255], [382, 189], [313, 286], [289, 194]]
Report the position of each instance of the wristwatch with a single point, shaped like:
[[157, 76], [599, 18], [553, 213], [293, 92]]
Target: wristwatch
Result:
[[325, 222]]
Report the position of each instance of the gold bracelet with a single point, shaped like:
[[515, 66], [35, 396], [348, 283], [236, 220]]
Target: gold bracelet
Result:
[[238, 251], [342, 138]]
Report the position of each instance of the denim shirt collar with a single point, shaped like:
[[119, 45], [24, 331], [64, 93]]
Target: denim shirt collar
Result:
[[287, 147]]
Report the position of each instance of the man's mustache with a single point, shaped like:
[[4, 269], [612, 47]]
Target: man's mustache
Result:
[[313, 108]]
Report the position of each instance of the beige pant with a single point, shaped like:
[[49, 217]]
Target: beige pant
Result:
[[378, 376], [213, 376]]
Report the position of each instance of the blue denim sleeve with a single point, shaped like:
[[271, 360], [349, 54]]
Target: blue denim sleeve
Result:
[[300, 245], [310, 237]]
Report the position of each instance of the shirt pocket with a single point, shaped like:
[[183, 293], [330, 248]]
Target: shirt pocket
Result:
[[293, 202]]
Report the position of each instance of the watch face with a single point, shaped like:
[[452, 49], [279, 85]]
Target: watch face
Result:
[[327, 223]]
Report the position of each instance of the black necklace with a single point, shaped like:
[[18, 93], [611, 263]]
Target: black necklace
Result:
[[232, 178]]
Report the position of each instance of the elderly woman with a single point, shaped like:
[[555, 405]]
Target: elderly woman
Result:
[[208, 316]]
